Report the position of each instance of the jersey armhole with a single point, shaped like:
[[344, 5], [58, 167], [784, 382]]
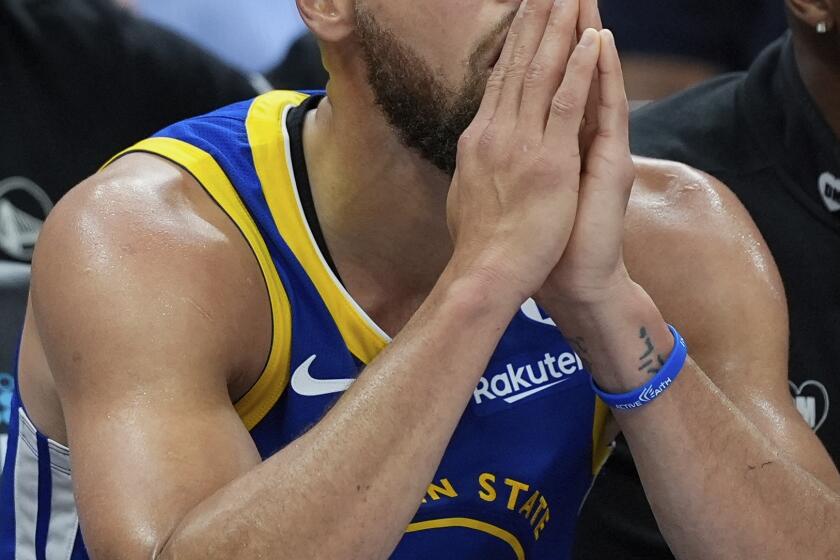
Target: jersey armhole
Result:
[[274, 378], [601, 449]]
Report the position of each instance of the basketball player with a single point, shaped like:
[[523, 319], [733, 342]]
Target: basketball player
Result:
[[772, 134], [276, 324]]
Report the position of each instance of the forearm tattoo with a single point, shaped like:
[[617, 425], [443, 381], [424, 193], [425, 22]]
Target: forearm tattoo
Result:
[[649, 363], [579, 346]]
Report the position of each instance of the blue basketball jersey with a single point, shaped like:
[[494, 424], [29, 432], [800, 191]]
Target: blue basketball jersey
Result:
[[522, 458]]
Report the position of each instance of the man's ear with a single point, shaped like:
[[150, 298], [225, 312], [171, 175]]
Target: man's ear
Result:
[[330, 20], [813, 13]]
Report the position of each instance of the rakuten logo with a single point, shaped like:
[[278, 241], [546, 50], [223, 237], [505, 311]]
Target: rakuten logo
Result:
[[520, 382]]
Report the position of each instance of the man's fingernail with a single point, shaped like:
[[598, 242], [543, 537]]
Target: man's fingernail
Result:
[[588, 37]]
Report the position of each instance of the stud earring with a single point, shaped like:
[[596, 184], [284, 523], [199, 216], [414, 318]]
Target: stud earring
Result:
[[822, 28]]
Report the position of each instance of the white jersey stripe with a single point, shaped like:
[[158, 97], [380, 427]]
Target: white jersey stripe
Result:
[[63, 518], [26, 489], [3, 439]]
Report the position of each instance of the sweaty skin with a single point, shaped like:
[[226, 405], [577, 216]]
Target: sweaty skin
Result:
[[140, 284]]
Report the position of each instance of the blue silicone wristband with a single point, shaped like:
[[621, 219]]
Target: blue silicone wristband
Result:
[[661, 381]]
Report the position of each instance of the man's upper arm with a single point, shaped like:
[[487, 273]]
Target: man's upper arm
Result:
[[695, 249], [130, 298]]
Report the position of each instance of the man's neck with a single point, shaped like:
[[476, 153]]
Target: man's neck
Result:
[[381, 207], [821, 73]]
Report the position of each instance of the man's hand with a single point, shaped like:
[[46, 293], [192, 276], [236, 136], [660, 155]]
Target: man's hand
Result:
[[593, 265], [721, 456], [519, 167]]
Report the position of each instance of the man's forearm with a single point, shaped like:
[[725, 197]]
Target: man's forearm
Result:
[[719, 488], [350, 486]]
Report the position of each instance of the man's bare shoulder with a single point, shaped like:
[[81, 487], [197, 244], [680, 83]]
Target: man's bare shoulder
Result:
[[689, 238], [675, 208], [140, 203], [149, 215], [671, 195], [142, 247]]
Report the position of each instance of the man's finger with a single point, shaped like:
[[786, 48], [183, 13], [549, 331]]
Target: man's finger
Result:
[[569, 103], [608, 167], [548, 67], [590, 16], [613, 114], [590, 124], [534, 21], [493, 90]]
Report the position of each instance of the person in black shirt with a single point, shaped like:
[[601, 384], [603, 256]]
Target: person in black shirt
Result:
[[79, 81], [773, 136]]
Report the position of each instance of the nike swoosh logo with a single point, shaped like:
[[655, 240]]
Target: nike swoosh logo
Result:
[[307, 386], [520, 396]]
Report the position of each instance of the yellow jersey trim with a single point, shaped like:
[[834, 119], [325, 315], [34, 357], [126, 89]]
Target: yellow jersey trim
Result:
[[467, 523], [601, 449], [269, 141], [265, 393]]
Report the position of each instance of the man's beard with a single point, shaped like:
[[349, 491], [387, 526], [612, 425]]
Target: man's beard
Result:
[[428, 115]]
